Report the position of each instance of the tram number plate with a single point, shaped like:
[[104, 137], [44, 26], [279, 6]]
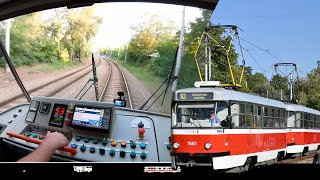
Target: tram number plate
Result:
[[195, 96]]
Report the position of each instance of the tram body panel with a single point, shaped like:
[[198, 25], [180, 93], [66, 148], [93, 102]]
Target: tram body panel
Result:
[[232, 142]]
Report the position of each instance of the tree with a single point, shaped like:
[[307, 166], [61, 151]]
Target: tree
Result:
[[256, 82], [147, 36], [81, 27]]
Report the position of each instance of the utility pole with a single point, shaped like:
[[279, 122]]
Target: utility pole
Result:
[[179, 55], [118, 53], [210, 63], [291, 86], [125, 57]]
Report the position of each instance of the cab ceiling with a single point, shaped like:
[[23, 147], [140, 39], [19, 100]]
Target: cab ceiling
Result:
[[13, 8]]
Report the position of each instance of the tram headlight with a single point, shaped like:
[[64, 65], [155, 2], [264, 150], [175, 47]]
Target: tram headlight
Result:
[[176, 145], [208, 146]]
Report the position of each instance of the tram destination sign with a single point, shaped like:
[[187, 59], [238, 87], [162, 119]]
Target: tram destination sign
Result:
[[195, 96]]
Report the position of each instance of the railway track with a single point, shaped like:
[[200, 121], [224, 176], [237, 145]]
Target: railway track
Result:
[[116, 81], [301, 159], [49, 88]]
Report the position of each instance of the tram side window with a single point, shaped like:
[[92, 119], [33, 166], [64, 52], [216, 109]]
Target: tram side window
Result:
[[249, 115], [299, 119], [277, 118], [237, 113], [257, 116], [271, 118], [318, 122], [306, 120], [312, 121], [282, 118], [291, 119], [265, 117]]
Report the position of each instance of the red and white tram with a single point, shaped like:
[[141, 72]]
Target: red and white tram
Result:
[[303, 134], [252, 129]]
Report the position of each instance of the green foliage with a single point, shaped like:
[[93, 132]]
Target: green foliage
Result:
[[34, 40], [64, 56]]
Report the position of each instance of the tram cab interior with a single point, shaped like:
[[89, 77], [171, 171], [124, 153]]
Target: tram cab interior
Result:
[[96, 130]]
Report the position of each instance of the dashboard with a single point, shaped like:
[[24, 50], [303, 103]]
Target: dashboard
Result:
[[96, 131]]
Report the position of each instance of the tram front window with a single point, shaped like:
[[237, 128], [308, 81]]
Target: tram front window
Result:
[[200, 115]]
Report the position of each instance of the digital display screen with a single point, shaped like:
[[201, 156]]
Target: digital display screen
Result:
[[91, 117], [57, 115], [195, 96]]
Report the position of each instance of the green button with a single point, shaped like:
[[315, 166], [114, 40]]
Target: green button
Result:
[[104, 141], [112, 152], [133, 144], [143, 155], [86, 140], [82, 147], [133, 154], [95, 141], [77, 138], [34, 136], [168, 146]]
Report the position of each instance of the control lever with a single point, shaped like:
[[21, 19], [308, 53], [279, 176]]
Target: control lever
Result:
[[66, 149]]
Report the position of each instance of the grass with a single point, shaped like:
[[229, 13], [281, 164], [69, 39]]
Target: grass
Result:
[[59, 65], [51, 67], [151, 82]]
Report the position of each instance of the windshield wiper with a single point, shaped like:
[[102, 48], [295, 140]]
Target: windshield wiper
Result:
[[168, 78]]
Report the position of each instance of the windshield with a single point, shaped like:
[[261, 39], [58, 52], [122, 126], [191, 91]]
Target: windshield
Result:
[[120, 53], [212, 115]]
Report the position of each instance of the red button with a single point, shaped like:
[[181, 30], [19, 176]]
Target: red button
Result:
[[141, 130], [67, 123], [69, 115]]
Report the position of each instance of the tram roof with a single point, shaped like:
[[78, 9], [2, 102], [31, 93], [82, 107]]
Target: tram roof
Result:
[[226, 94], [13, 8], [296, 107]]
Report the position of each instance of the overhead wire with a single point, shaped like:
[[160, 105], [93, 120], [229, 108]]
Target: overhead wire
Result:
[[247, 50]]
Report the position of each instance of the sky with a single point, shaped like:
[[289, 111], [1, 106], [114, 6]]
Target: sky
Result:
[[286, 29], [118, 17]]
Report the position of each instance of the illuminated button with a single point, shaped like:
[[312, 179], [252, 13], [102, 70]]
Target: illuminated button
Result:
[[141, 132], [122, 153], [34, 136], [67, 123], [104, 141], [82, 147], [77, 138], [95, 141], [70, 115], [123, 144], [86, 139], [92, 149], [102, 151], [27, 133], [73, 146], [143, 155], [112, 152], [113, 143], [71, 106], [133, 154], [168, 146], [41, 137], [133, 144], [143, 145]]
